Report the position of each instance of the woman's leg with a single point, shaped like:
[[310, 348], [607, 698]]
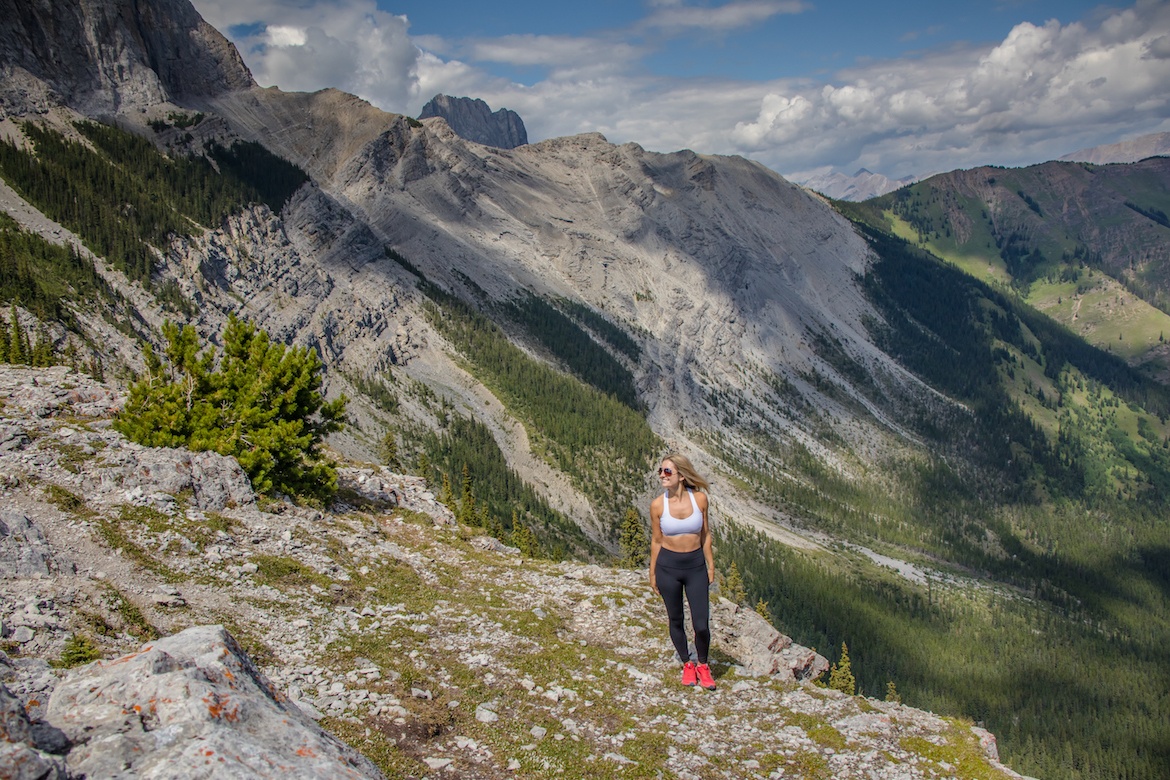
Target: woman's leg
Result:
[[699, 600], [670, 586]]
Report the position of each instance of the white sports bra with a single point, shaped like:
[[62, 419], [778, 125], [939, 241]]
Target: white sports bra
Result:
[[673, 526]]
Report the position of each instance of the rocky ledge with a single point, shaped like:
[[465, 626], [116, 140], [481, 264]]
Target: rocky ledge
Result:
[[244, 638]]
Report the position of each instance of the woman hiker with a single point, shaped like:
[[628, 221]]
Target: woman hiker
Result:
[[681, 560]]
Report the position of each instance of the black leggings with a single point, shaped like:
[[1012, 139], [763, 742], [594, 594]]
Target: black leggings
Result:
[[676, 572]]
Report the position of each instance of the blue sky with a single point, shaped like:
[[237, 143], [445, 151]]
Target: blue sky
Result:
[[804, 86]]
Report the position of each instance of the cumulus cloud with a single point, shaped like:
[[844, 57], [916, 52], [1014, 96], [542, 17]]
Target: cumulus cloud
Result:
[[1011, 103], [1159, 48], [1042, 91], [347, 44]]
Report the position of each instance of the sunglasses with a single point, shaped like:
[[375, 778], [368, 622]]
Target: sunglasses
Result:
[[665, 472]]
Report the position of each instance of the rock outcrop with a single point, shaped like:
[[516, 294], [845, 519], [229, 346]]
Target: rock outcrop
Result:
[[473, 119], [192, 705], [99, 59]]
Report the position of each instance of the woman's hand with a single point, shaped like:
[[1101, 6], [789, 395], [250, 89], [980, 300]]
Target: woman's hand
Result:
[[654, 584], [710, 576]]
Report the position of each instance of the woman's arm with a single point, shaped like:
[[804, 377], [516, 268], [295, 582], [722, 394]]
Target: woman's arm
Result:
[[705, 537], [655, 539]]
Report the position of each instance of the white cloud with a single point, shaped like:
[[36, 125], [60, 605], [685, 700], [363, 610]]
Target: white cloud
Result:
[[1044, 90], [347, 44], [278, 35], [720, 18], [1014, 103], [565, 56]]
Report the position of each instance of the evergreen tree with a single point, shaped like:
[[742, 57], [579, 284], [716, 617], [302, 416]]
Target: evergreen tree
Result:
[[734, 586], [523, 538], [493, 525], [467, 514], [17, 339], [633, 540], [262, 405], [762, 610], [389, 451], [892, 692], [42, 352], [841, 674], [447, 497]]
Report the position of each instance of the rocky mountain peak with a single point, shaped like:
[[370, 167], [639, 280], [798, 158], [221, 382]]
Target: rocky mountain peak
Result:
[[101, 57], [474, 120]]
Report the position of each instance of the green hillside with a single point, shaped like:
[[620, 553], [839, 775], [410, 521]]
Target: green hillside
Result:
[[1087, 244], [1040, 512]]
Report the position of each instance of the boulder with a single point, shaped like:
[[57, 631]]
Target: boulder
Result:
[[214, 481], [192, 705], [758, 647], [24, 551], [27, 748]]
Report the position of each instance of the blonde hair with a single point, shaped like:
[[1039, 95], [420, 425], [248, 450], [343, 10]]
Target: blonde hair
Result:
[[686, 471]]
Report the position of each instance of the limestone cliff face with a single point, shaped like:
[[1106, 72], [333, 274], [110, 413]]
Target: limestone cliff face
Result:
[[106, 56], [474, 120]]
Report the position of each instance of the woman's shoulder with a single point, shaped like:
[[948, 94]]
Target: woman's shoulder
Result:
[[700, 499], [656, 503]]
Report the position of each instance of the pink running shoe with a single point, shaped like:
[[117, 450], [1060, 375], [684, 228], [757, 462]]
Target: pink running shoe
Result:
[[688, 673], [705, 679]]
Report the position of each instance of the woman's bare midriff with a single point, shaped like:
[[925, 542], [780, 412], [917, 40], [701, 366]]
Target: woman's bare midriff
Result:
[[682, 543]]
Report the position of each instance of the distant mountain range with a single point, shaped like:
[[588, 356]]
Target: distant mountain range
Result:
[[865, 184], [860, 186], [1085, 243], [1153, 145]]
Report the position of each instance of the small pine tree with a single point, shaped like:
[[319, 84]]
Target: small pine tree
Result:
[[424, 466], [841, 674], [736, 593], [389, 451], [448, 495], [261, 404], [493, 525], [467, 514], [763, 611], [523, 538], [42, 352], [892, 692], [17, 339], [632, 540]]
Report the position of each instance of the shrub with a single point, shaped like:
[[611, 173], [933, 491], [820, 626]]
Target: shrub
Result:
[[78, 650]]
